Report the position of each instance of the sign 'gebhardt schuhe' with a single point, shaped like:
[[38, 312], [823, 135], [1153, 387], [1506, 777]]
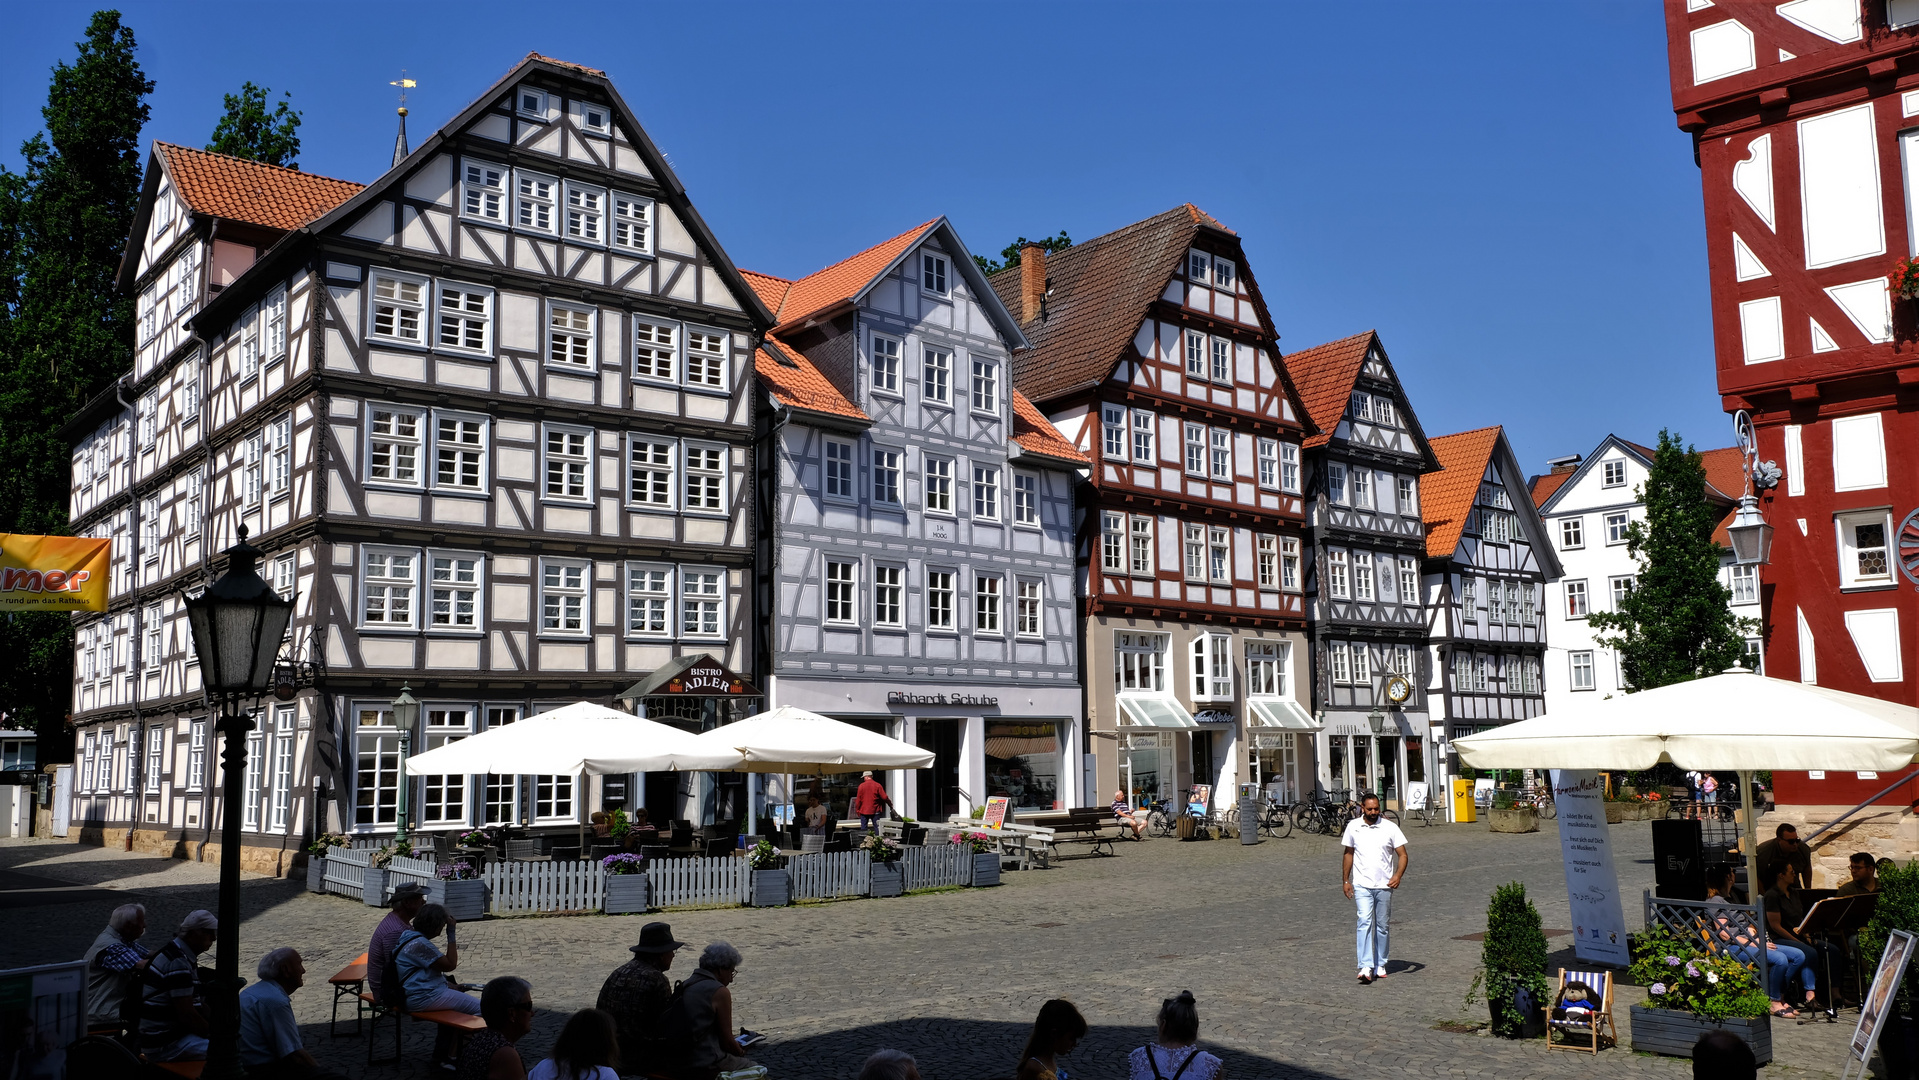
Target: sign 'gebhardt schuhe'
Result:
[[906, 697]]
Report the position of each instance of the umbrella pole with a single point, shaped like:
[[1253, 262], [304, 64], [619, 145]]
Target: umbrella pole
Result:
[[1750, 844]]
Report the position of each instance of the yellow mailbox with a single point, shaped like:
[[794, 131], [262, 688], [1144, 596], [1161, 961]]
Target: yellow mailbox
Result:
[[1463, 809]]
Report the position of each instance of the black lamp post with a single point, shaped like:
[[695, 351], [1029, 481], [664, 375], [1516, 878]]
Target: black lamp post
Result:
[[238, 624], [406, 713]]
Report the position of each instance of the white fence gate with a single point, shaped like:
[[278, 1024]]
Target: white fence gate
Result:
[[516, 888], [716, 882], [932, 866], [346, 871], [829, 875], [403, 869]]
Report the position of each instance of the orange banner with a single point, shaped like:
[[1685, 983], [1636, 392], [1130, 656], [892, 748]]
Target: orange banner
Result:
[[53, 573]]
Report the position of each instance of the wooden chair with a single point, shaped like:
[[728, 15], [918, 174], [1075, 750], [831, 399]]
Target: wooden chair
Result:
[[1596, 1024]]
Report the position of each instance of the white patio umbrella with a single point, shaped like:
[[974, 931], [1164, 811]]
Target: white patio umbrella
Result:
[[790, 740], [577, 738], [1737, 721]]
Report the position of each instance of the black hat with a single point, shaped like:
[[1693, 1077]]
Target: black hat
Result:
[[657, 937], [406, 891]]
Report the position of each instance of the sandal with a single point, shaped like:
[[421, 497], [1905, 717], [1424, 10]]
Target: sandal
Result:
[[1784, 1011]]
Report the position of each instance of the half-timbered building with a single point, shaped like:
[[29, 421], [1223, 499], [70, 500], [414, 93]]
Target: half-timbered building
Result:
[[920, 529], [1365, 579], [491, 420], [1154, 354]]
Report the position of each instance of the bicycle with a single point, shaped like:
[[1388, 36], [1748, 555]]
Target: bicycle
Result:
[[1160, 820], [1541, 800], [1275, 820]]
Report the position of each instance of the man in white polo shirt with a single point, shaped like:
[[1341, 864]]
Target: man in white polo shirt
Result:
[[1374, 861]]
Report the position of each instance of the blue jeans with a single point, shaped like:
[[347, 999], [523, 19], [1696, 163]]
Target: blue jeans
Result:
[[867, 821], [1375, 911], [1782, 963]]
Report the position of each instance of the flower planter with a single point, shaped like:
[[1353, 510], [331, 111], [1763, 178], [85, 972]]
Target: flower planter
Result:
[[1656, 810], [1668, 1031], [1615, 813], [772, 888], [626, 894], [1533, 1027], [985, 869], [316, 873], [464, 900], [1513, 819], [373, 887], [887, 880]]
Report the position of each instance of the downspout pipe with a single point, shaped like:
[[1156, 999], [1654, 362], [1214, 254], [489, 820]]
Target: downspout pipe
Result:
[[138, 767]]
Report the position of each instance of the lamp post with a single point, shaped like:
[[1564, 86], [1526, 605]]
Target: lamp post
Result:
[[1751, 537], [238, 624], [406, 713]]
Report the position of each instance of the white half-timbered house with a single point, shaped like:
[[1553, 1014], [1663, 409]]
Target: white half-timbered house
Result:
[[491, 419]]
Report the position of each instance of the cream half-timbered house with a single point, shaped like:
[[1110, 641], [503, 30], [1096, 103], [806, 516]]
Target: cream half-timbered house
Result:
[[491, 420], [921, 551], [1154, 355]]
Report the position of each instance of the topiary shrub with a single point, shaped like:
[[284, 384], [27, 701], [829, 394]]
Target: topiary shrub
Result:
[[1513, 961]]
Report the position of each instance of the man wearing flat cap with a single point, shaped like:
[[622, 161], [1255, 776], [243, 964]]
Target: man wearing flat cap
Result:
[[173, 1018], [637, 993], [382, 970]]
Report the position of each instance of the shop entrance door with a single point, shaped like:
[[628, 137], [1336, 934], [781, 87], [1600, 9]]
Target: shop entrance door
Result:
[[662, 797], [938, 787], [1204, 769]]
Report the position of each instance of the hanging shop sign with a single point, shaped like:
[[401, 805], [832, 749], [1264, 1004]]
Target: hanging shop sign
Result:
[[53, 573]]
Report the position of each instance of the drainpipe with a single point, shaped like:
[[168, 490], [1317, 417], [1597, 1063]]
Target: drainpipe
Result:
[[138, 767]]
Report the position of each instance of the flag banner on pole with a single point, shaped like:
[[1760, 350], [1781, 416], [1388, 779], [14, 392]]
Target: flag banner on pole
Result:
[[53, 573], [1592, 883]]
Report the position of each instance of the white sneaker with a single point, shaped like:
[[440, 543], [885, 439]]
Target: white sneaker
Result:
[[1380, 973]]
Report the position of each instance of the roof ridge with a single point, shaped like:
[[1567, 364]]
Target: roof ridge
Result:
[[556, 61], [1335, 341], [920, 228], [254, 164], [1468, 431]]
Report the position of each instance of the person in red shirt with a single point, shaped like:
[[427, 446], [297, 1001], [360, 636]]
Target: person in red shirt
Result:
[[870, 801]]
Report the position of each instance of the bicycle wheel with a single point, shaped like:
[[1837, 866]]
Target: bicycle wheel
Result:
[[1390, 815], [1231, 819], [1546, 810], [1303, 817], [1276, 824], [1156, 823]]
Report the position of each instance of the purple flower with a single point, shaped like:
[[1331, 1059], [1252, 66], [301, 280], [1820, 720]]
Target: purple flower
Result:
[[1673, 961], [1692, 972], [1657, 988]]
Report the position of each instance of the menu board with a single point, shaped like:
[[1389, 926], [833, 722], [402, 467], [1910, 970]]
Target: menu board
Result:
[[42, 1011], [996, 811], [1885, 985]]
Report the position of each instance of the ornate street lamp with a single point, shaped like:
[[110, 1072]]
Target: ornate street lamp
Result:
[[1751, 537], [1377, 719], [238, 624], [406, 713]]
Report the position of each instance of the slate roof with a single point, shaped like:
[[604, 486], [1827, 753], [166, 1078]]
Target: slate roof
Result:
[[1100, 292], [1447, 496], [794, 382], [242, 190], [1036, 435], [831, 285], [1544, 486], [1325, 375]]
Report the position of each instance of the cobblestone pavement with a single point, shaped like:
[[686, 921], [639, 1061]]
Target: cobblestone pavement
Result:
[[1260, 934]]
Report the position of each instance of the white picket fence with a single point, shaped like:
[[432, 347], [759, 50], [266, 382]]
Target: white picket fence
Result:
[[826, 876], [346, 871], [716, 882], [403, 869], [930, 866], [517, 888]]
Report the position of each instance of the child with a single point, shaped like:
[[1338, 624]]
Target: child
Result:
[[1058, 1029]]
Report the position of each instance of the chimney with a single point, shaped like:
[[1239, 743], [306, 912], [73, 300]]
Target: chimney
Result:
[[1032, 282], [1558, 465]]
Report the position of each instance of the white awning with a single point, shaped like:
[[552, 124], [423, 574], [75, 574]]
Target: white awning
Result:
[[1153, 711], [1283, 713]]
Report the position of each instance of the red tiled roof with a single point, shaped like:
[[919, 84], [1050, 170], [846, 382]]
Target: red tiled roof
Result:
[[1544, 486], [242, 190], [1325, 375], [1036, 435], [794, 382], [1725, 472], [841, 281], [1100, 291], [772, 291], [1448, 495], [1719, 534], [565, 64]]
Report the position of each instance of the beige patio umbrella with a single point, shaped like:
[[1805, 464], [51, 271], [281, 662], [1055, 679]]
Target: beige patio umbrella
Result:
[[792, 740]]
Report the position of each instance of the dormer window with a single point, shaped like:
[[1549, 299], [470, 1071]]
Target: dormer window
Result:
[[933, 274], [1223, 274], [596, 119], [531, 102], [1198, 267]]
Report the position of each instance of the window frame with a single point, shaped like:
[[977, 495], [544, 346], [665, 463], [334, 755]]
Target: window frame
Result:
[[1622, 519], [568, 189], [1112, 542], [885, 463], [587, 460], [935, 275], [937, 479], [689, 471], [1576, 660], [884, 364], [694, 361], [1266, 561], [1267, 471], [829, 460], [1336, 490], [1291, 566], [986, 493], [469, 188], [1194, 442], [1606, 473], [1140, 540], [1266, 667], [989, 596], [1192, 542], [661, 477], [367, 582], [689, 589], [1572, 533], [661, 599], [1744, 586], [436, 439], [983, 397], [1114, 432], [1219, 555], [550, 330], [486, 318], [832, 583], [936, 376], [429, 563], [1578, 599], [940, 585], [1845, 535], [1026, 498], [1196, 358], [1407, 496], [888, 596], [652, 349], [520, 96], [1142, 433], [1338, 579], [1219, 456], [421, 308], [582, 592], [617, 220], [1212, 667], [1029, 597], [521, 200]]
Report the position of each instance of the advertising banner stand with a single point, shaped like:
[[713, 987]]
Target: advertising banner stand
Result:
[[1592, 882]]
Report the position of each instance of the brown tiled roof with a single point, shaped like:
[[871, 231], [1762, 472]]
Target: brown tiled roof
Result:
[[1100, 292], [1324, 375], [1544, 486], [1725, 472], [1036, 435], [565, 64], [841, 281], [242, 190], [1447, 496], [794, 382]]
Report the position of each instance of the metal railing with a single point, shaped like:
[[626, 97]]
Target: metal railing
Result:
[[1714, 925]]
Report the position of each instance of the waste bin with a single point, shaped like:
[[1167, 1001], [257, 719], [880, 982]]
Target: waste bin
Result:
[[1463, 809], [1187, 825]]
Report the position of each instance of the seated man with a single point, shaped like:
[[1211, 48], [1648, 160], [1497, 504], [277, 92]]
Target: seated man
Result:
[[1865, 875], [637, 993], [1124, 813], [270, 1045], [173, 1020], [114, 962]]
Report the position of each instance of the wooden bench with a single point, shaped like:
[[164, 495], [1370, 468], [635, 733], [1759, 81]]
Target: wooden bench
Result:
[[1024, 844], [189, 1069], [348, 984], [463, 1024], [1080, 830]]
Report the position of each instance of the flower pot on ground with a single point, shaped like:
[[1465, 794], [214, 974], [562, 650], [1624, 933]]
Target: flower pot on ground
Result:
[[1513, 964], [985, 869], [625, 894], [1690, 992], [458, 888], [1513, 819], [316, 873], [772, 888], [887, 879], [373, 886], [316, 858]]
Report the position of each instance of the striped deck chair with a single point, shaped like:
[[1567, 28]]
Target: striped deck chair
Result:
[[1595, 1023]]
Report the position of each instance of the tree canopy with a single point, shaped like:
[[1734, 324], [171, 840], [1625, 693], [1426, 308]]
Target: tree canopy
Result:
[[249, 130], [1009, 255]]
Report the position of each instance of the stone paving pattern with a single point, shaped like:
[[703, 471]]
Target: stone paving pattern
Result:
[[1260, 934]]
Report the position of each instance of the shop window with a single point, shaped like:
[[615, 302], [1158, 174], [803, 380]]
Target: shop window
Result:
[[1023, 764]]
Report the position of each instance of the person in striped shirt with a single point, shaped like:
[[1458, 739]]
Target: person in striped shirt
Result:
[[173, 1019]]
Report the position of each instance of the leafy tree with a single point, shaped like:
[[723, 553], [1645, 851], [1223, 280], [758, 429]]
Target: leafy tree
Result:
[[65, 335], [249, 130], [1674, 625], [1009, 255]]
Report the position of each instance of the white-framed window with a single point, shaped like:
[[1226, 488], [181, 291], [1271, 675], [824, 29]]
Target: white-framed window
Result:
[[530, 102], [1336, 482], [147, 410], [889, 607], [1745, 584], [252, 467], [1582, 669], [501, 804], [1223, 274], [838, 470], [706, 478], [454, 591], [196, 754], [564, 585], [1222, 360], [656, 350], [1268, 454], [1212, 667], [1222, 454], [1363, 575], [1112, 541], [250, 782], [1031, 602], [1864, 557], [283, 575], [985, 387], [1196, 449], [1578, 605], [533, 199], [886, 476], [649, 599], [1572, 533], [1143, 437], [569, 335], [936, 376], [649, 472], [1289, 563], [1360, 406], [1408, 496], [633, 223], [153, 630], [459, 451], [985, 493], [1362, 487], [939, 484], [443, 799], [553, 798], [702, 602], [1339, 662], [250, 343], [483, 191], [939, 600], [1496, 526], [595, 119], [1402, 660], [1026, 499], [1289, 467], [1408, 581], [706, 358], [1383, 411], [1616, 525], [986, 604], [933, 274], [1612, 473], [1199, 267], [569, 462], [1195, 354], [1219, 561], [1112, 431], [399, 308], [1338, 578], [388, 584], [1142, 545], [1621, 588], [1528, 605], [1755, 659], [1139, 663], [273, 314], [842, 584], [1267, 548], [585, 213], [886, 363], [1362, 663], [465, 317], [1193, 543], [277, 438], [1469, 599], [1266, 664]]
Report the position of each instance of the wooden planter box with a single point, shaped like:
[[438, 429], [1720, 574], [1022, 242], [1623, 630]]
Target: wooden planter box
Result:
[[316, 873], [1668, 1031], [464, 900], [1516, 819], [626, 894], [1615, 813], [373, 887], [985, 869], [772, 888], [887, 879]]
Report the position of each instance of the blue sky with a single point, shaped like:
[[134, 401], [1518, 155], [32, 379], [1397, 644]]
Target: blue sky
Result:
[[1498, 188]]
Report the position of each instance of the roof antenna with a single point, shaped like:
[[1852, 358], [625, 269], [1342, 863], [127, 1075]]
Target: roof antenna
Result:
[[399, 141]]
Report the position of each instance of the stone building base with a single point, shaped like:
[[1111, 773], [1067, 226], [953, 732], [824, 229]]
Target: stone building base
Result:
[[1885, 831], [271, 861]]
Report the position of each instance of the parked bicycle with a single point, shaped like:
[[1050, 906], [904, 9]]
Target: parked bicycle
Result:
[[1540, 798], [1276, 820]]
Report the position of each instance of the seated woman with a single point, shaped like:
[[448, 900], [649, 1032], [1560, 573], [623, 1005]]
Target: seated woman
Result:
[[1175, 1052], [1123, 811], [1737, 941], [602, 823], [1785, 909], [507, 1007], [698, 1028], [424, 973], [1058, 1029]]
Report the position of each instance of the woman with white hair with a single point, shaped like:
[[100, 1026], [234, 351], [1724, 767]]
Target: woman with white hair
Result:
[[698, 1027]]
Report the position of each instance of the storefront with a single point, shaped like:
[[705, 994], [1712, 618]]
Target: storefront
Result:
[[1358, 757], [1281, 752], [693, 693]]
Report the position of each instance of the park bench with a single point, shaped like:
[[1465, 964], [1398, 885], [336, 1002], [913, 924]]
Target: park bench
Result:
[[464, 1024], [348, 983], [1089, 825], [1024, 844]]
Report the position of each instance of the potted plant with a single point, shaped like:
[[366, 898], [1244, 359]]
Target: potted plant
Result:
[[1905, 278], [626, 885], [458, 888], [373, 885], [1651, 806], [1898, 909], [772, 884], [886, 879], [316, 858], [1690, 992], [1508, 815], [1513, 965], [985, 858]]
